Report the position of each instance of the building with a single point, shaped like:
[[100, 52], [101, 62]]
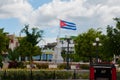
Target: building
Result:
[[49, 50], [13, 43]]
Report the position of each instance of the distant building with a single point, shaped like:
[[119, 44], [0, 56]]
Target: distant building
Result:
[[13, 43], [48, 50]]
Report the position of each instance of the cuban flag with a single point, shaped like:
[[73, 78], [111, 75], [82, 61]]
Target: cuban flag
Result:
[[67, 25]]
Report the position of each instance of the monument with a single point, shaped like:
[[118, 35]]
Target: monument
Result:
[[57, 58]]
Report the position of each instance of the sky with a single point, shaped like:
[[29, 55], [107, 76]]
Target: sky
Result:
[[45, 14]]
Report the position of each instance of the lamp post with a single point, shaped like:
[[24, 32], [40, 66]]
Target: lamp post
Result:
[[62, 42], [67, 56], [97, 44]]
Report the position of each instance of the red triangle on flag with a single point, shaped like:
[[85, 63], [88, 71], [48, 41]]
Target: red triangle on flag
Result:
[[62, 23]]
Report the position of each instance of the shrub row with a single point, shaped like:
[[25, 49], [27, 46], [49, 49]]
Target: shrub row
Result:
[[45, 65], [20, 74], [42, 65], [61, 66], [15, 64]]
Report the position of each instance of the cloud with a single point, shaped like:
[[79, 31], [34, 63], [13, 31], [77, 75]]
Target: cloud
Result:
[[15, 9], [85, 13]]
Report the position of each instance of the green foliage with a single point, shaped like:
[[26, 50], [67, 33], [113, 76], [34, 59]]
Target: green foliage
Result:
[[62, 66], [42, 66], [113, 38], [3, 44], [28, 43], [110, 43], [84, 43], [41, 75], [25, 48], [19, 74], [85, 76], [75, 57], [37, 51], [34, 37], [21, 65], [15, 75], [64, 75], [13, 55], [84, 66], [3, 41]]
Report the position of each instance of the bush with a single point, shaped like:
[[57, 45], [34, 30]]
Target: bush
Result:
[[21, 65], [62, 66], [43, 75], [85, 76], [15, 64], [36, 74], [84, 66], [42, 66], [15, 75], [12, 64], [63, 74]]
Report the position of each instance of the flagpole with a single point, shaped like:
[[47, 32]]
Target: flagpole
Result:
[[59, 32], [57, 56]]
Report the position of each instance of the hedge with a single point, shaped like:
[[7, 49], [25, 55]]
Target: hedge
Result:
[[27, 74]]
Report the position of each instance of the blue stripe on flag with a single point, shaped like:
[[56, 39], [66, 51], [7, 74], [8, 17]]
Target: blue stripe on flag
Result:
[[69, 22], [70, 25], [69, 28]]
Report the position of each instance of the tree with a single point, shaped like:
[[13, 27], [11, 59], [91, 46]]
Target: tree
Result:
[[34, 37], [24, 49], [3, 44], [113, 39], [83, 44], [4, 40], [13, 54], [28, 43]]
